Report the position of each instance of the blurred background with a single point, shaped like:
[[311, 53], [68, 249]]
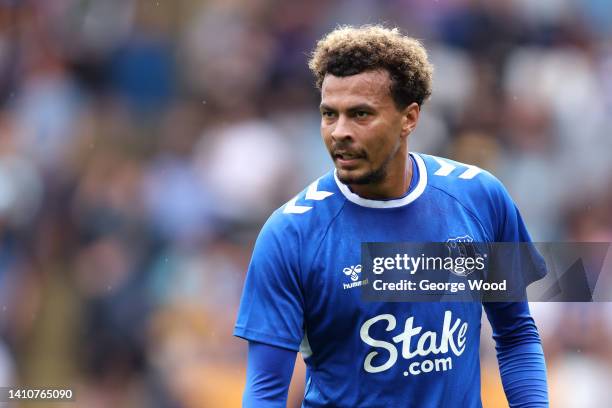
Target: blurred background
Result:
[[143, 143]]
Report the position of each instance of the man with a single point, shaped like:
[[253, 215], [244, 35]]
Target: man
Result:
[[373, 82]]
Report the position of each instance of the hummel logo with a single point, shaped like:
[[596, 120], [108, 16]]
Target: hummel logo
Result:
[[353, 271]]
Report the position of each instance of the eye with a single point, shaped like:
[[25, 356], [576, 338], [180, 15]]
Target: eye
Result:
[[327, 114], [362, 114]]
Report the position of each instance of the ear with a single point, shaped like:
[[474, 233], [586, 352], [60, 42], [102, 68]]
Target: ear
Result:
[[410, 117]]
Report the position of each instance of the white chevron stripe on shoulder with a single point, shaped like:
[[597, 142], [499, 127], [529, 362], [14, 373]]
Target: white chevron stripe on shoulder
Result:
[[470, 173], [445, 167], [292, 208], [312, 193]]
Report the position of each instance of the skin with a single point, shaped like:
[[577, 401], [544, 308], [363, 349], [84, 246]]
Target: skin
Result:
[[366, 134]]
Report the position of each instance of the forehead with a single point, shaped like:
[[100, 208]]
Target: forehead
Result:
[[372, 87]]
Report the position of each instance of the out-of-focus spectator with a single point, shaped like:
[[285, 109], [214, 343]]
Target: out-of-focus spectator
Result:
[[244, 184]]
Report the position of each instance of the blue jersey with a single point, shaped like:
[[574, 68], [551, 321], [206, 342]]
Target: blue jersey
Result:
[[300, 290]]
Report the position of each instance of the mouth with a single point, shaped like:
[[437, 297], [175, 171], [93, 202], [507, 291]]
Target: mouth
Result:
[[347, 159]]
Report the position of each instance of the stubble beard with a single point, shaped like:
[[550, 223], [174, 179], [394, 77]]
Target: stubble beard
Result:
[[375, 176]]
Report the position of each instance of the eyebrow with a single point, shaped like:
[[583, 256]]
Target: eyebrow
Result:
[[358, 107]]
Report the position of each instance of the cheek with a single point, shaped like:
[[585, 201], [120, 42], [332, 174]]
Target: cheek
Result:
[[380, 151], [326, 135], [380, 143]]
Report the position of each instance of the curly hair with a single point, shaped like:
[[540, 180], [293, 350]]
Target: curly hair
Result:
[[348, 51]]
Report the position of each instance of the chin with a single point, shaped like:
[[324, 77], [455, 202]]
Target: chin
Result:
[[352, 177], [345, 176], [360, 177]]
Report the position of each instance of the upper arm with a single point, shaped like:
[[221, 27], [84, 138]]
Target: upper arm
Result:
[[510, 225], [517, 259], [272, 306]]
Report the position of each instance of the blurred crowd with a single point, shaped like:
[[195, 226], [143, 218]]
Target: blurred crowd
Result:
[[144, 142]]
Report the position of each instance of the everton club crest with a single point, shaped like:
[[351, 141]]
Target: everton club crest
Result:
[[465, 255]]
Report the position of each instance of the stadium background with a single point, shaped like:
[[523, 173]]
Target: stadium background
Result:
[[143, 144]]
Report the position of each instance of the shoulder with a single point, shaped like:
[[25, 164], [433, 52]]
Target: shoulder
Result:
[[309, 211], [465, 182], [477, 191]]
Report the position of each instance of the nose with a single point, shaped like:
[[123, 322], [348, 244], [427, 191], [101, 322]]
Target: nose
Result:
[[341, 129]]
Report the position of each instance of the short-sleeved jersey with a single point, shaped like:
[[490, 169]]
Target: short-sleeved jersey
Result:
[[298, 294]]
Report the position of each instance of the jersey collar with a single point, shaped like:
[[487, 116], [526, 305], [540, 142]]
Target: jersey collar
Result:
[[399, 202]]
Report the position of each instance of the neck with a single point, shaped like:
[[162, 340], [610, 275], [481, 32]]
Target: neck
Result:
[[395, 184]]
